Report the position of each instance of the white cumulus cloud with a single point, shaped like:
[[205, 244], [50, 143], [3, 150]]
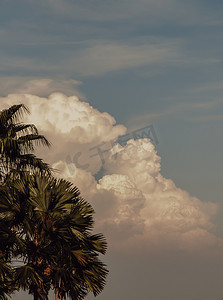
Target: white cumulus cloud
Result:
[[136, 207]]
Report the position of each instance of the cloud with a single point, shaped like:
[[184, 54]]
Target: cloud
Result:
[[181, 110], [73, 126], [39, 86], [89, 57], [205, 118], [102, 57], [152, 212], [155, 11], [108, 10], [136, 207]]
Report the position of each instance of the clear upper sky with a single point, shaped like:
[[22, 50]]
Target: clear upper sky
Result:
[[145, 62]]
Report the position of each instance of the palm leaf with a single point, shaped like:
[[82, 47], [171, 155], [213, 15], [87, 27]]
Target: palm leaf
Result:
[[26, 276]]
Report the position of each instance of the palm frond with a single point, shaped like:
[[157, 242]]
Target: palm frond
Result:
[[26, 276], [24, 129], [28, 140], [13, 113]]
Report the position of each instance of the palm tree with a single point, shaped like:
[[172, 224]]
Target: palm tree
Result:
[[57, 247], [44, 221], [69, 250], [6, 279], [6, 272], [9, 243], [17, 142]]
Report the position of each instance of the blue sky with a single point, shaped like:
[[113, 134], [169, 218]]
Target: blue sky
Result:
[[144, 62]]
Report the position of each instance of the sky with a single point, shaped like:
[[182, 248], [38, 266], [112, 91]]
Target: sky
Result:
[[130, 95]]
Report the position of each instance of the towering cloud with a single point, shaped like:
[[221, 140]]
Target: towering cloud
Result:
[[136, 207]]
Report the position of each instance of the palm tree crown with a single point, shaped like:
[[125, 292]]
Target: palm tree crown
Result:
[[52, 225], [17, 142], [43, 221]]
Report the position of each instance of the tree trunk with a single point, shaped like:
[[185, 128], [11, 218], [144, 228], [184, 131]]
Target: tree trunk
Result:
[[57, 296], [38, 294]]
